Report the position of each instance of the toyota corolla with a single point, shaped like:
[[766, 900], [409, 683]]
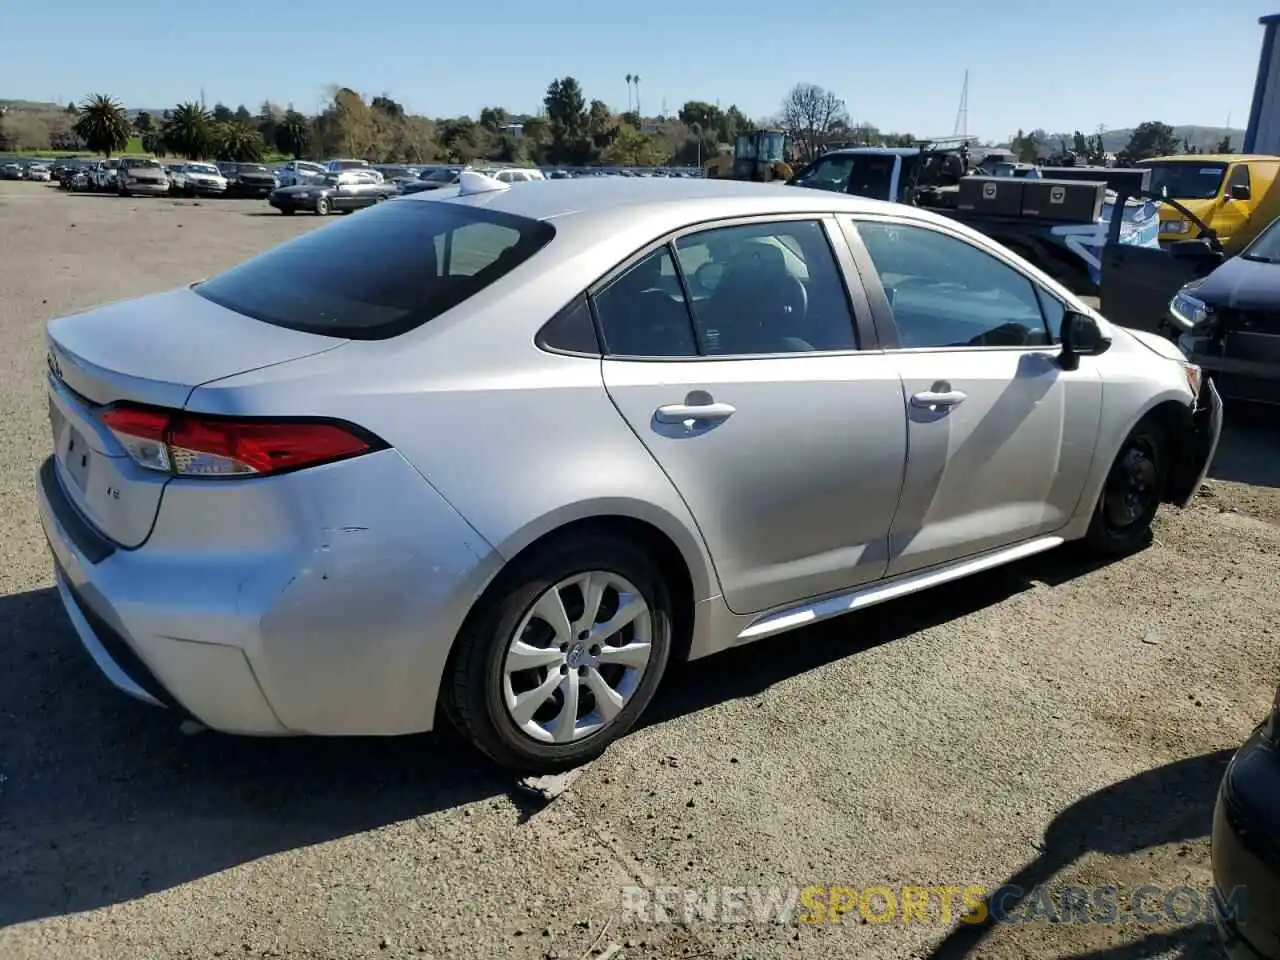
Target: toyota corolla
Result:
[[503, 455]]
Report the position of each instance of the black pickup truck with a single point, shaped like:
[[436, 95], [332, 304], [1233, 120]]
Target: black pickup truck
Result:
[[1059, 219]]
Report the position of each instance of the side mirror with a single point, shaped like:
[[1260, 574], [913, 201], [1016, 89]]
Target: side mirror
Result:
[[1081, 337], [1192, 249], [1239, 191]]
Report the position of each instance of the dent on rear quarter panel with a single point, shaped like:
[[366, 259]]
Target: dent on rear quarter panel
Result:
[[354, 640]]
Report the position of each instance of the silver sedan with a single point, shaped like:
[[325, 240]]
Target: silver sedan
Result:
[[503, 455]]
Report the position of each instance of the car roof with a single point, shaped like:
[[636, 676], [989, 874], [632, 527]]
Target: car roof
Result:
[[669, 198], [877, 151]]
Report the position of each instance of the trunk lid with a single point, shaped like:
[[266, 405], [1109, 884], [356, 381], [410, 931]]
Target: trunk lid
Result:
[[156, 351]]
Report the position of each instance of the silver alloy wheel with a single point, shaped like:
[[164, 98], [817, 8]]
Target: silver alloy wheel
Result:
[[577, 657]]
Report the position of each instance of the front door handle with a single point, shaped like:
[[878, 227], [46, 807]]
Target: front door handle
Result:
[[681, 412], [938, 401]]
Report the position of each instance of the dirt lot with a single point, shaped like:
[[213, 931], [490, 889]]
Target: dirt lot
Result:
[[1045, 723]]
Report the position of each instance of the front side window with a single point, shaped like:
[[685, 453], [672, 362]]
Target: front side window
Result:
[[945, 292], [416, 261], [1240, 179]]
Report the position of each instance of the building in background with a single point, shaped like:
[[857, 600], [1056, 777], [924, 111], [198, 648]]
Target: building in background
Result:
[[1263, 133]]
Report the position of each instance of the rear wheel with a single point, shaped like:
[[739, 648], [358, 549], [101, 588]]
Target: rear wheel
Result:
[[1131, 494], [564, 656]]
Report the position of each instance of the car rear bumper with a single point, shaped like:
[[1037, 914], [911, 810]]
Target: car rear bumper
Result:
[[1246, 852], [292, 604]]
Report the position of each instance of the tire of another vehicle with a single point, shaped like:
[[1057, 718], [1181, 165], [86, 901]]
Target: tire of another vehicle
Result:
[[1131, 494], [322, 207], [474, 688]]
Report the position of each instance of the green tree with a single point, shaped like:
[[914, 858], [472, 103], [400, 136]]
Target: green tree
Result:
[[1223, 145], [567, 116], [102, 125], [493, 119], [222, 113], [1149, 139], [633, 149], [1080, 144], [242, 114], [143, 122], [188, 131], [233, 140], [153, 142], [601, 126], [293, 134]]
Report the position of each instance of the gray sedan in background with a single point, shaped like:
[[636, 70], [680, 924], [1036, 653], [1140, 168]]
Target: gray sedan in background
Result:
[[503, 454], [333, 193]]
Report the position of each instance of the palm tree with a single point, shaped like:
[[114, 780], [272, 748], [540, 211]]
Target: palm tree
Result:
[[293, 134], [636, 81], [629, 79], [102, 125], [188, 131], [238, 141]]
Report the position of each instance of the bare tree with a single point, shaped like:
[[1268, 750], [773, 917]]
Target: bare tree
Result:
[[809, 114]]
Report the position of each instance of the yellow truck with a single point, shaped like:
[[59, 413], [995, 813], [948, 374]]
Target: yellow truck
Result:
[[1225, 191]]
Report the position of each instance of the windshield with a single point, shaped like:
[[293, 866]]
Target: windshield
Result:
[[416, 261], [203, 168], [1185, 179], [745, 149], [438, 176], [771, 147], [142, 164], [1266, 245], [828, 173], [252, 168]]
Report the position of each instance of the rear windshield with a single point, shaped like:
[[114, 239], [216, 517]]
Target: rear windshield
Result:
[[382, 272]]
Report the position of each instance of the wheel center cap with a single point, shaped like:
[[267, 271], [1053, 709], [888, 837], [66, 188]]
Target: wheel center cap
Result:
[[577, 654]]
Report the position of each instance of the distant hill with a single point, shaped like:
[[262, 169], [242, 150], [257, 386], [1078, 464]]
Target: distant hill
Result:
[[1204, 139], [30, 105]]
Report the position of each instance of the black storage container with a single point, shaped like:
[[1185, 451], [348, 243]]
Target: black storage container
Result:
[[1065, 200], [997, 196], [1130, 180]]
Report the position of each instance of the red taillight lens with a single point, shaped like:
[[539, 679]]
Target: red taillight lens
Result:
[[191, 445]]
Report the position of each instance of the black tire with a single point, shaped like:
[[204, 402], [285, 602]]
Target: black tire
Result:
[[471, 689], [323, 207], [1131, 494]]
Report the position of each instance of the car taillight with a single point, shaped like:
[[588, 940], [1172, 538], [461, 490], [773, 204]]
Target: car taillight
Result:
[[194, 445]]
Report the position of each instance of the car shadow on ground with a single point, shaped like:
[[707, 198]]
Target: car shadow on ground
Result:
[[1249, 449], [103, 800], [1168, 804]]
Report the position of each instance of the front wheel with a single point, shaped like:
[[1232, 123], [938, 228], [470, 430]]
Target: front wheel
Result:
[[322, 207], [1130, 495], [565, 655]]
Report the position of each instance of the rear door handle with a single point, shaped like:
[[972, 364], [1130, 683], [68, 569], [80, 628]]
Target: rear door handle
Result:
[[680, 412], [938, 401]]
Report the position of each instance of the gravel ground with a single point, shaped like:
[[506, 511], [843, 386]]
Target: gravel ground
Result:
[[1048, 723]]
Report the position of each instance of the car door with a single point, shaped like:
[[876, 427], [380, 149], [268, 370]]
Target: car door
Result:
[[1000, 437], [733, 353], [1237, 201]]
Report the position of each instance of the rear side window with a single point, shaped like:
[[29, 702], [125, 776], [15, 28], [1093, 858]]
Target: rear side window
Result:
[[379, 274]]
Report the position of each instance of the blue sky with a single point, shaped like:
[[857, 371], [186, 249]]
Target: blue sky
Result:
[[898, 65]]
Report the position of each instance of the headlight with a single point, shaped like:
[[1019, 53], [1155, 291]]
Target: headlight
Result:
[[1187, 310]]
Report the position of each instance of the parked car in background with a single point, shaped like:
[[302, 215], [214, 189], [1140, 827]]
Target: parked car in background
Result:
[[298, 171], [336, 193], [10, 170], [1229, 322], [38, 172], [201, 180], [513, 174], [141, 175], [247, 179], [303, 496], [338, 166], [434, 179], [1246, 846]]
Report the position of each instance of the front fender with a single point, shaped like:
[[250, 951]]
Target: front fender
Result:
[[1197, 448]]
